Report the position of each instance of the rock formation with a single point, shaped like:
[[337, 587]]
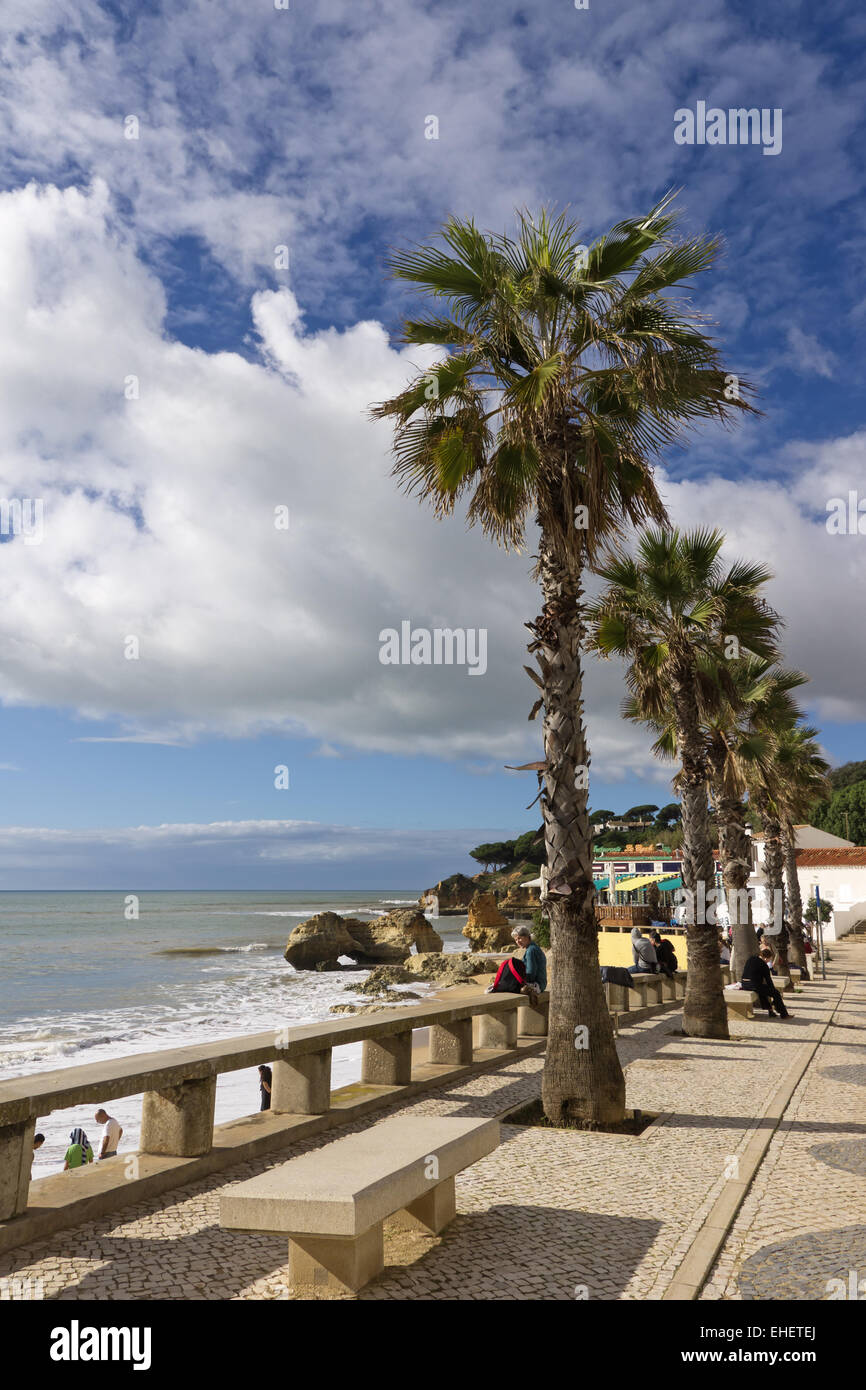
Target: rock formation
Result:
[[487, 928], [389, 939], [448, 967], [520, 901], [320, 940], [454, 894]]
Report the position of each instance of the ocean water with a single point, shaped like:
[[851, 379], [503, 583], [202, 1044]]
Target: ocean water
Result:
[[81, 983]]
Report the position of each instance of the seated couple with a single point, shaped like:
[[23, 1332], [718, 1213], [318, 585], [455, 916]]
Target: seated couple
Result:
[[651, 955], [522, 976]]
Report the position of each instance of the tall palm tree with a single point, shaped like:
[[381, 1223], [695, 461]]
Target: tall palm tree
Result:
[[738, 755], [773, 715], [676, 614], [805, 781], [567, 372]]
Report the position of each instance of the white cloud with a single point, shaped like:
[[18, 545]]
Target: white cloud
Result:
[[252, 853], [159, 525], [808, 356]]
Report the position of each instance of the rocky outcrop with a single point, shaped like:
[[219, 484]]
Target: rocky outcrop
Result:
[[322, 939], [519, 901], [487, 929], [389, 939], [448, 967], [453, 894], [382, 977]]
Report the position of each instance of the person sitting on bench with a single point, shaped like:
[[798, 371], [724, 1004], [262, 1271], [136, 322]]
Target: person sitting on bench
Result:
[[644, 953], [665, 954], [510, 977], [535, 963], [757, 978]]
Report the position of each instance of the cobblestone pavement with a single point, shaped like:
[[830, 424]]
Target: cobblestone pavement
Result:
[[563, 1215], [802, 1224]]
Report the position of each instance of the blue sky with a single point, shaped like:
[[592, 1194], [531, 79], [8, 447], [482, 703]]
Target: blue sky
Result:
[[152, 260]]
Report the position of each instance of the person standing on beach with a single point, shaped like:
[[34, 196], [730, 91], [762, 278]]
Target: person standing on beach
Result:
[[265, 1086], [111, 1133], [79, 1151]]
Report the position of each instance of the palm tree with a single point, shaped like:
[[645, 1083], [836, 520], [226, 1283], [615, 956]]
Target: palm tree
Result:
[[567, 372], [677, 615], [774, 714], [738, 756], [805, 781]]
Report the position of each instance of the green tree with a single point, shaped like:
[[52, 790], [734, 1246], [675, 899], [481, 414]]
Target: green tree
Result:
[[673, 611], [844, 814], [530, 846], [640, 813], [497, 852], [669, 815], [567, 372], [846, 775]]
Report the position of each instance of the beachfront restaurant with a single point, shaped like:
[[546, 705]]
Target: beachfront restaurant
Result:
[[624, 880]]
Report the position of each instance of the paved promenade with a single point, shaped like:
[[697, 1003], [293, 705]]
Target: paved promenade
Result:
[[566, 1215]]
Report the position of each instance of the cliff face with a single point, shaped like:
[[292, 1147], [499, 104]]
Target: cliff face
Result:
[[455, 894]]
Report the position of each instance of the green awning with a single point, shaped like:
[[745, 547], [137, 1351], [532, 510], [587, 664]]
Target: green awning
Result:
[[670, 885], [602, 882]]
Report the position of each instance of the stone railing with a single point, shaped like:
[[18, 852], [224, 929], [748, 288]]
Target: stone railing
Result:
[[179, 1084]]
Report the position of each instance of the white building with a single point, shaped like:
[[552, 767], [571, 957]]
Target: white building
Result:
[[840, 880], [840, 876]]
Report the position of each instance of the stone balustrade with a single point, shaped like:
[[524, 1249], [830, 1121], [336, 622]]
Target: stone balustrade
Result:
[[178, 1085]]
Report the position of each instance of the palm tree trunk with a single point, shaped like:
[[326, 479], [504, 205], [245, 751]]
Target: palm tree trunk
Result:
[[774, 875], [736, 871], [704, 1011], [583, 1082], [795, 899]]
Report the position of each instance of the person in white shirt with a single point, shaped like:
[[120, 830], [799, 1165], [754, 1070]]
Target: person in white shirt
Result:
[[111, 1134]]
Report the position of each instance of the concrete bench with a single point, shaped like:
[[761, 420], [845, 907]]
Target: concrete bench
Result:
[[741, 1003], [650, 988], [534, 1017], [783, 983], [331, 1203]]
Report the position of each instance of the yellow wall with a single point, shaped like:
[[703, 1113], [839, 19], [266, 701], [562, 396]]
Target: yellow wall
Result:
[[614, 948]]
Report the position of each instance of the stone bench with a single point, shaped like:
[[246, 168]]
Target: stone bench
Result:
[[331, 1203], [650, 989], [741, 1003], [534, 1017]]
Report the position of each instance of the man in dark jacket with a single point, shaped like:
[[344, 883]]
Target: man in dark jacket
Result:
[[757, 978], [665, 954]]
